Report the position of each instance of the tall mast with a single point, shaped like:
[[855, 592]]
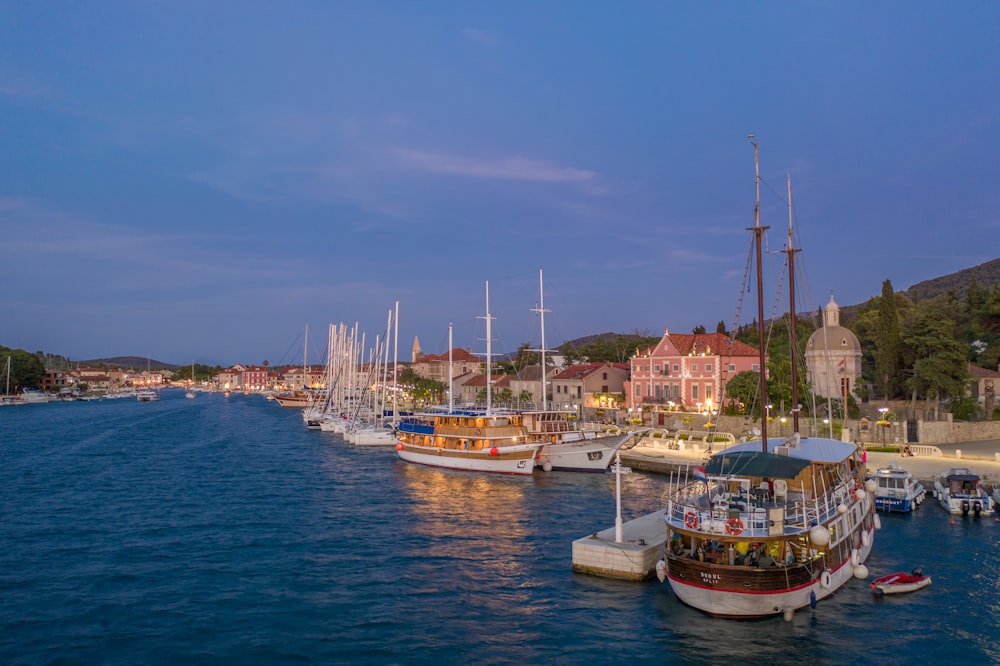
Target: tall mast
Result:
[[758, 234], [451, 392], [793, 337], [541, 311], [305, 349], [395, 361], [489, 353]]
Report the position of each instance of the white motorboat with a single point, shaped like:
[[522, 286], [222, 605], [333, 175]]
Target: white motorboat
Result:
[[147, 395], [960, 493], [897, 489]]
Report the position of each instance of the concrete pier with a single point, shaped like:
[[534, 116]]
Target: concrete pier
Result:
[[632, 559]]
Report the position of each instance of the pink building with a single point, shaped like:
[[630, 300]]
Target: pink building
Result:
[[687, 370]]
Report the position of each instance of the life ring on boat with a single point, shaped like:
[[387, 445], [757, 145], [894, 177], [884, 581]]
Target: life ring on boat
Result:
[[691, 520], [866, 539], [826, 580], [478, 431], [734, 527], [855, 557]]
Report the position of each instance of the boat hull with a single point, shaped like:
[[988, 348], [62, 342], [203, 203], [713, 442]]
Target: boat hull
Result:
[[587, 455], [900, 583], [520, 460], [753, 592]]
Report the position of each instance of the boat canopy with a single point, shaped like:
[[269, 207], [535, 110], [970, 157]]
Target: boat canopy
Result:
[[755, 463]]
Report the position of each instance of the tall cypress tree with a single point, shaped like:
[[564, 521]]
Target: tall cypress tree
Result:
[[887, 336]]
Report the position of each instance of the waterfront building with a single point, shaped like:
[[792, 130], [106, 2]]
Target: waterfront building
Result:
[[687, 371]]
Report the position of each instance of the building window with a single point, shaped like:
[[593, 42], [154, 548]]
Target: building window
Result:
[[708, 367], [755, 367], [708, 391], [677, 368], [694, 367], [694, 391], [638, 391], [605, 375], [731, 367]]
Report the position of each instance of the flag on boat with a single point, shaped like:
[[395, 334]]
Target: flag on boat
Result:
[[699, 474], [842, 366]]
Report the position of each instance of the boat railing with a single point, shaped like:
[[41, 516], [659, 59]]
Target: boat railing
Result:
[[737, 514]]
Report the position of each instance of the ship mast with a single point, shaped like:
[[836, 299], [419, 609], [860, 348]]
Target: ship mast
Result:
[[758, 234], [793, 336]]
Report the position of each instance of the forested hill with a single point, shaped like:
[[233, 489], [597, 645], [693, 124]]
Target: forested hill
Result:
[[987, 275]]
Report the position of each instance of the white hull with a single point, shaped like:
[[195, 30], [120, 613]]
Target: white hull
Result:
[[960, 494], [960, 505], [372, 438], [902, 588], [585, 455], [512, 460], [34, 397]]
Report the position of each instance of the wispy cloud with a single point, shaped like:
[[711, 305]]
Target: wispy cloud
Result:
[[508, 168]]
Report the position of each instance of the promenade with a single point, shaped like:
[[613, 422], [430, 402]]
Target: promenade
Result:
[[981, 457]]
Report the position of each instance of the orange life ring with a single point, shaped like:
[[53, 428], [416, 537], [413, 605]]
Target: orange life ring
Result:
[[734, 526], [691, 520]]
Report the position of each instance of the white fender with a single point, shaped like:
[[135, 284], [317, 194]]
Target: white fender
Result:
[[855, 557], [866, 538], [877, 521], [826, 580]]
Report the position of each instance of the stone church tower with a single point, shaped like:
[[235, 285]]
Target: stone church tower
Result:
[[833, 356]]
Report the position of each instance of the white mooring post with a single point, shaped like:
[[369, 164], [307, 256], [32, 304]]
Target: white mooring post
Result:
[[619, 470]]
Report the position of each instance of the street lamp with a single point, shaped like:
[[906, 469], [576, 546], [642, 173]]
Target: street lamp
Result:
[[882, 422]]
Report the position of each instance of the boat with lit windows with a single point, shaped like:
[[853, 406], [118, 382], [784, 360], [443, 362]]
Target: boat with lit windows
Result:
[[960, 493], [471, 440], [897, 489], [295, 399], [769, 526], [901, 582]]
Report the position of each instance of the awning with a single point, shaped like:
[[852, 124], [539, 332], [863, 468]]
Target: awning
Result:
[[755, 463]]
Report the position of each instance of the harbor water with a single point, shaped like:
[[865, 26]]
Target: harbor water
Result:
[[220, 530]]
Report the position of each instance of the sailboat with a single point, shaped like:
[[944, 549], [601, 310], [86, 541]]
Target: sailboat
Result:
[[190, 392], [770, 526], [479, 440], [567, 446]]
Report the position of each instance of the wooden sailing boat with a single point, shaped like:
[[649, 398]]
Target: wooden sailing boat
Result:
[[771, 525], [480, 440]]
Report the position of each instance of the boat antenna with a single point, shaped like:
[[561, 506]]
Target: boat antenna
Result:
[[758, 234], [793, 329]]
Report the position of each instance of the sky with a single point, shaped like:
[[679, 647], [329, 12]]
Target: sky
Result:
[[202, 181]]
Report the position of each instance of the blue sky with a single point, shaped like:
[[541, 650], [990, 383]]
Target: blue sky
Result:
[[201, 180]]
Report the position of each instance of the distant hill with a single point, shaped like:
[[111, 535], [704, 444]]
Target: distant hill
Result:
[[134, 362], [987, 275]]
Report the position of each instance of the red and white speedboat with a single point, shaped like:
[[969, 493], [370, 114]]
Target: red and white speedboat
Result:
[[900, 582]]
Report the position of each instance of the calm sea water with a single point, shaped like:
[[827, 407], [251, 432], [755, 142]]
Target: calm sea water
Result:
[[220, 530]]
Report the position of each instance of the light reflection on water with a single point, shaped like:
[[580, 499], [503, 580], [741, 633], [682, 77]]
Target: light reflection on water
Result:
[[222, 530]]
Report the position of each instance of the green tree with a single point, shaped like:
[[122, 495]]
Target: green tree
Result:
[[26, 370], [887, 359], [940, 370], [741, 392], [720, 327]]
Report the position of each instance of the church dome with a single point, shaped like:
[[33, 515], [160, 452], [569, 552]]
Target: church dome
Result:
[[832, 337]]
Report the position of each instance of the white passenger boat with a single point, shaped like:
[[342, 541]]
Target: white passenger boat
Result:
[[960, 494], [34, 397], [471, 440], [897, 489], [147, 395]]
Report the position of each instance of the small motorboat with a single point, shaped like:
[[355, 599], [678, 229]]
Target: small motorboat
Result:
[[900, 582]]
